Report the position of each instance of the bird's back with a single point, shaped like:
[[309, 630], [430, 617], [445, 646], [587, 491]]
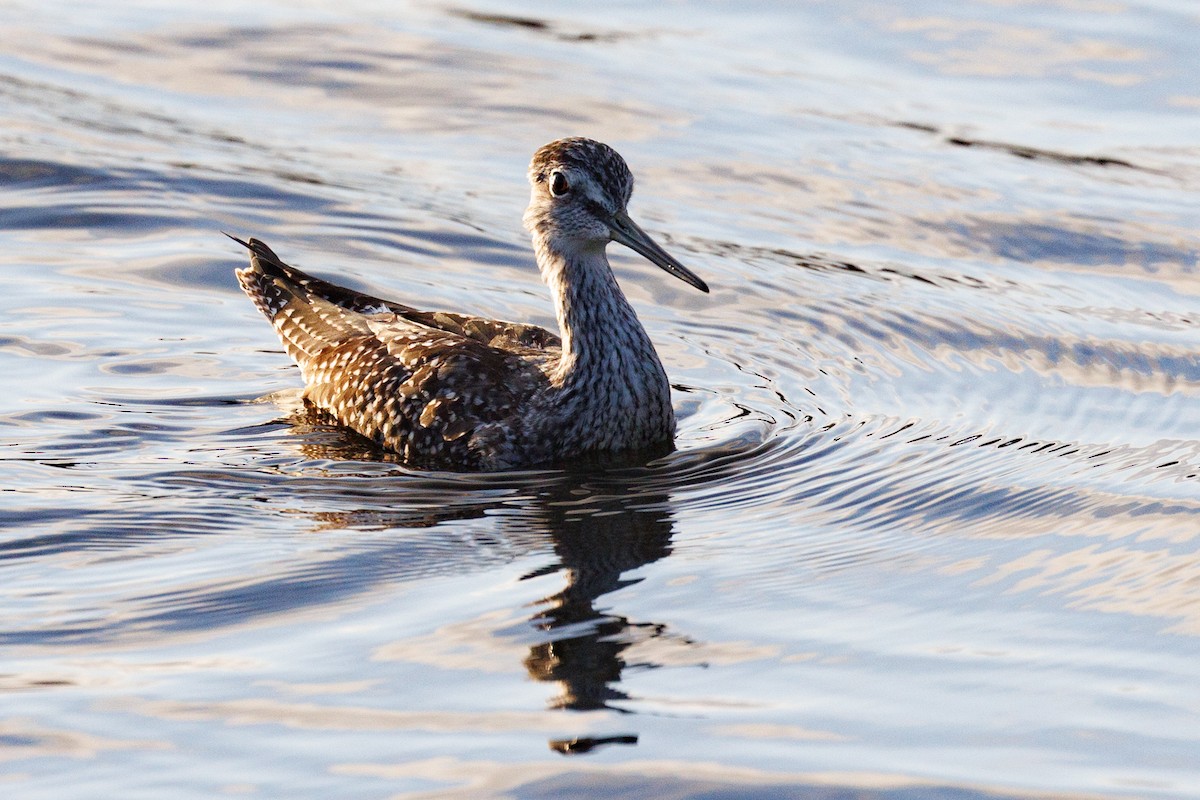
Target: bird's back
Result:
[[442, 390]]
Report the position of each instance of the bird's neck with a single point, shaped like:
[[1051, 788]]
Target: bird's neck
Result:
[[601, 334], [609, 381]]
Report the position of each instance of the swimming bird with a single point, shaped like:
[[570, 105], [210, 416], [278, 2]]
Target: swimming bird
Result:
[[452, 391]]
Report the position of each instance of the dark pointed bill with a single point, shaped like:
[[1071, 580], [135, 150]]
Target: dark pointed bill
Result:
[[627, 232]]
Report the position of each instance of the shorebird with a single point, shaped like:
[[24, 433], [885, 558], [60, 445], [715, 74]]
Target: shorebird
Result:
[[450, 391]]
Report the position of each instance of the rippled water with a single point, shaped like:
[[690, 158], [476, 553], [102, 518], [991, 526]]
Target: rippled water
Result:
[[931, 526]]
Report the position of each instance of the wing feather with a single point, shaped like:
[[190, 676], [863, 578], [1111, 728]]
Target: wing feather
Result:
[[418, 383]]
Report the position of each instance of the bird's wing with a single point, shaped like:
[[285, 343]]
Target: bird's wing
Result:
[[418, 389]]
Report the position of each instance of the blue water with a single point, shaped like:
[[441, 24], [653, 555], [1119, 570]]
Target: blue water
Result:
[[931, 527]]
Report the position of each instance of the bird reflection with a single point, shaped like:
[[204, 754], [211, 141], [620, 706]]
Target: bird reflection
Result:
[[598, 539], [603, 525]]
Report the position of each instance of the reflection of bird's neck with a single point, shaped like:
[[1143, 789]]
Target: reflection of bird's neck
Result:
[[609, 375]]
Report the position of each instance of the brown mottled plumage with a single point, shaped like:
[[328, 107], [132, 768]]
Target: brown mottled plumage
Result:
[[458, 392]]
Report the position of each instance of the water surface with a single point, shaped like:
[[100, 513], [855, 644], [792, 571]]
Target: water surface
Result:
[[931, 526]]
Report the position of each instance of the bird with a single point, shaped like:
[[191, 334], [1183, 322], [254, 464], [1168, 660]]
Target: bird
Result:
[[464, 393]]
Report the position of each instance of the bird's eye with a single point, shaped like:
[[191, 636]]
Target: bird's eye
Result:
[[559, 185]]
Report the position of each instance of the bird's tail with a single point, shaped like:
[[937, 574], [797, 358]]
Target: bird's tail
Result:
[[307, 323], [263, 258]]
